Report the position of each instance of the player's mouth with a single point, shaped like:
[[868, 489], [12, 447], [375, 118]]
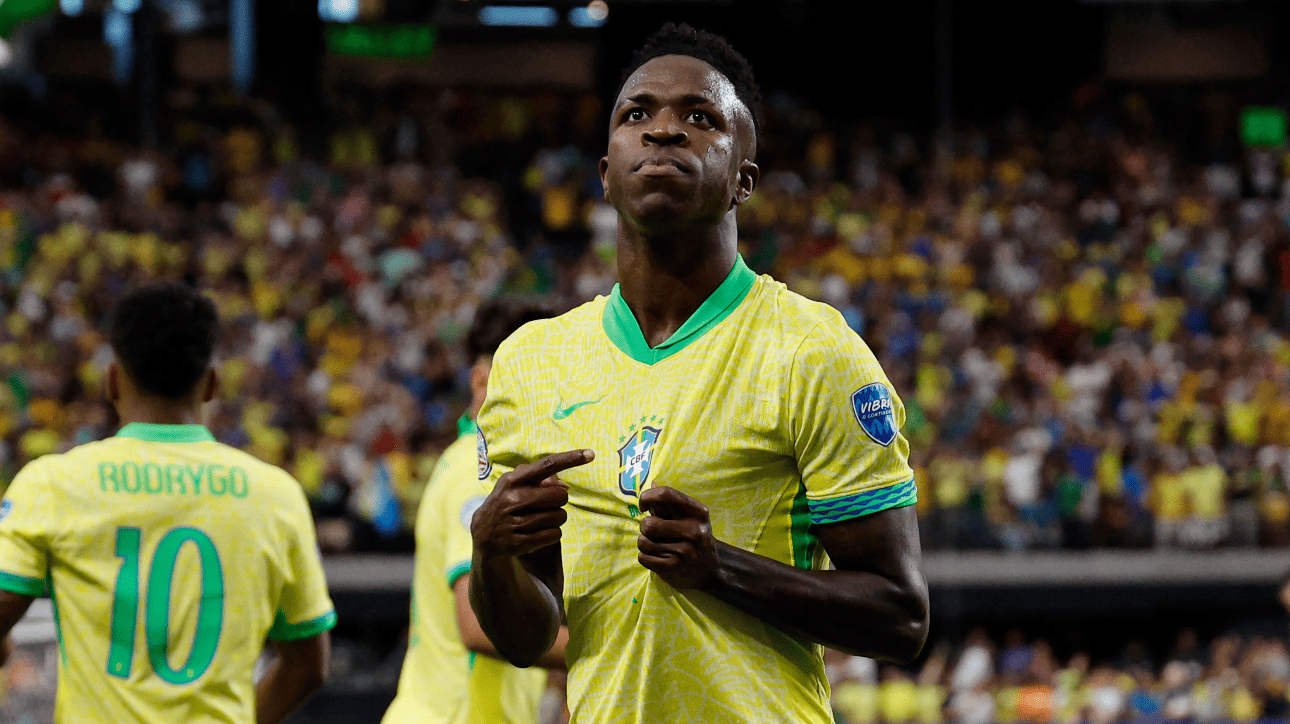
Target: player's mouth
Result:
[[661, 166]]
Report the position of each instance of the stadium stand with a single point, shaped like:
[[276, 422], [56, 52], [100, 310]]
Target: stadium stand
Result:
[[1089, 334]]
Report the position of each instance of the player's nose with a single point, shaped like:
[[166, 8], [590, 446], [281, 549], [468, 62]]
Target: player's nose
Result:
[[666, 130]]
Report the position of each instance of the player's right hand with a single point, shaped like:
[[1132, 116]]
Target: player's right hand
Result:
[[526, 509]]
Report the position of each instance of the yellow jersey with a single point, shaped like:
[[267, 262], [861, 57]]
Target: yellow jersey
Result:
[[170, 558], [765, 407], [442, 682]]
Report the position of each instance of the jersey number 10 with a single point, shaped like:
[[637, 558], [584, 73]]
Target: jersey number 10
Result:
[[125, 605]]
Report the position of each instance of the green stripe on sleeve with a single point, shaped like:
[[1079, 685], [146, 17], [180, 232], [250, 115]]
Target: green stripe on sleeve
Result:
[[865, 503], [283, 631], [457, 571], [22, 585]]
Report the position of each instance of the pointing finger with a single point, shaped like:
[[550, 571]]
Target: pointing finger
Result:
[[534, 473]]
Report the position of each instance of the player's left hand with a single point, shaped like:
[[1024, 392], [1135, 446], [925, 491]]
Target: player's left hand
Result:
[[676, 538]]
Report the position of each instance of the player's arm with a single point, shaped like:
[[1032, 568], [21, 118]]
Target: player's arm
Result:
[[28, 520], [305, 616], [516, 575], [843, 421], [445, 518], [474, 638], [874, 604], [297, 671], [12, 608]]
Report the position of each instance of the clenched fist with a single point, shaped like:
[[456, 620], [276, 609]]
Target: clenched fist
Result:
[[676, 538]]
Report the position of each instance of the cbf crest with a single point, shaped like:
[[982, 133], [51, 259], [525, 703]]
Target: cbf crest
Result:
[[635, 458]]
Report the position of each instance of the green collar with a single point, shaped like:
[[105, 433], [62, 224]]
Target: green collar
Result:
[[625, 332], [465, 426], [150, 432]]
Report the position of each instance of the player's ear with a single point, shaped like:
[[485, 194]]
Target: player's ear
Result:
[[210, 385], [113, 388], [749, 175], [604, 172]]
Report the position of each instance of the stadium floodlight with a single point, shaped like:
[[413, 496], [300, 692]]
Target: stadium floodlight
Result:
[[116, 29], [241, 40], [118, 33], [532, 16], [186, 16], [338, 11], [592, 16], [71, 8], [125, 6]]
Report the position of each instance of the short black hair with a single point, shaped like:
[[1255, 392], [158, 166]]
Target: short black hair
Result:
[[164, 335], [716, 51], [497, 319]]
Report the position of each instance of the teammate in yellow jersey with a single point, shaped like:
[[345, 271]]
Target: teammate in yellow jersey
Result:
[[452, 673], [672, 464], [170, 557]]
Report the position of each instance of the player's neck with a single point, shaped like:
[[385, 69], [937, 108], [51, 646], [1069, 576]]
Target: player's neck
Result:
[[664, 280], [159, 412]]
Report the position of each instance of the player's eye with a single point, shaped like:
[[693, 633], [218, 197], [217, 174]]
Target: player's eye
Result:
[[635, 114], [699, 117]]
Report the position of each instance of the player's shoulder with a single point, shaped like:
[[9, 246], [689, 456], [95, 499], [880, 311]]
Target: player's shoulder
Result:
[[791, 317], [41, 471], [54, 465], [553, 333], [265, 474]]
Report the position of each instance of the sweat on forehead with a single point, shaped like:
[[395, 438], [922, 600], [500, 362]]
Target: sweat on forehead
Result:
[[669, 70]]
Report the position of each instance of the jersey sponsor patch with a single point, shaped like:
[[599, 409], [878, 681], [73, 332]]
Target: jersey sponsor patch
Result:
[[481, 446], [5, 507], [634, 459], [872, 407], [468, 510]]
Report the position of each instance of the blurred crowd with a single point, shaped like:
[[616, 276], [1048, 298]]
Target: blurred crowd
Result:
[[1234, 679], [1088, 326]]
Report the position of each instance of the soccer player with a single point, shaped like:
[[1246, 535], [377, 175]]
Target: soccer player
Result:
[[170, 557], [672, 463], [452, 673]]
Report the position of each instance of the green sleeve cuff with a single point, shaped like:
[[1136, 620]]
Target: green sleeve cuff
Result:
[[457, 571], [22, 585], [868, 502], [283, 631]]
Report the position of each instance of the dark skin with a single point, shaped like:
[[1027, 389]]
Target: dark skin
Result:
[[300, 666], [13, 607], [679, 164]]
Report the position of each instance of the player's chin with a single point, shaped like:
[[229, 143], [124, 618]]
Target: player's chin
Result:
[[661, 212]]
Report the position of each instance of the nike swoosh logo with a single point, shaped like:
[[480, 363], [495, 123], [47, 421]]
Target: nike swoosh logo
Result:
[[562, 412]]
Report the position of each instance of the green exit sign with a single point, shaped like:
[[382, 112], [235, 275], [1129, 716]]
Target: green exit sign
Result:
[[1263, 126], [400, 42]]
